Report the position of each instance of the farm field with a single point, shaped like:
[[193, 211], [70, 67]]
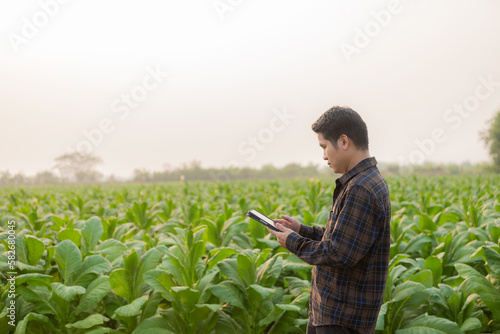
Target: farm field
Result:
[[184, 258]]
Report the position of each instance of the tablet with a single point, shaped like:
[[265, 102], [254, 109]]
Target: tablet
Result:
[[263, 219]]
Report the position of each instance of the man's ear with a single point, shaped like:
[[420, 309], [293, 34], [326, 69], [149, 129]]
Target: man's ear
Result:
[[344, 141]]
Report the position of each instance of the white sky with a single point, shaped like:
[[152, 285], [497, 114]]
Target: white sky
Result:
[[227, 77]]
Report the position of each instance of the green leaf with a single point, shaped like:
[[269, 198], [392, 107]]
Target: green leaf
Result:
[[120, 283], [426, 224], [260, 291], [90, 321], [34, 277], [132, 309], [156, 325], [22, 325], [92, 232], [160, 281], [417, 243], [471, 324], [91, 267], [407, 289], [95, 292], [229, 267], [68, 259], [148, 262], [67, 292], [227, 292], [289, 307], [484, 288], [434, 264], [70, 234], [35, 249], [424, 277], [425, 324], [41, 305], [246, 269], [492, 259], [111, 246]]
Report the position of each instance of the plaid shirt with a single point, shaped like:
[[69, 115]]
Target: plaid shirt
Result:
[[351, 254]]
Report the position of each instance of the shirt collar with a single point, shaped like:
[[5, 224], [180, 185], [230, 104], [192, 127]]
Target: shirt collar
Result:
[[361, 166]]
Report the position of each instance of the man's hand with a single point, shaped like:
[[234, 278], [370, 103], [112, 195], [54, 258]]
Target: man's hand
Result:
[[289, 222], [281, 236]]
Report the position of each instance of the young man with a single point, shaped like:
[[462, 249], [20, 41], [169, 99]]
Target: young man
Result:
[[351, 254]]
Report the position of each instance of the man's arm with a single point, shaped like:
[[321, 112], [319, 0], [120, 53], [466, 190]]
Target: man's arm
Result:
[[311, 232], [356, 230]]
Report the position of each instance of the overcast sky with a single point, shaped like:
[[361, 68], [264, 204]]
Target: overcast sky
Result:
[[149, 84]]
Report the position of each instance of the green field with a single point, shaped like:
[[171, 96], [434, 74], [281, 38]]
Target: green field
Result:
[[183, 258]]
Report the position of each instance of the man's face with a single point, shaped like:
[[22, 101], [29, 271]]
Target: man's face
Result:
[[334, 156]]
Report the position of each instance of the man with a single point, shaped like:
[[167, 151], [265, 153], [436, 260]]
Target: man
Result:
[[351, 254]]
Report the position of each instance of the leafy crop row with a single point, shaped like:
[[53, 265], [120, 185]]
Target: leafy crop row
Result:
[[171, 258]]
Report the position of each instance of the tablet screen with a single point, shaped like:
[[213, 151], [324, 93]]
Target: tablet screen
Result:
[[266, 219]]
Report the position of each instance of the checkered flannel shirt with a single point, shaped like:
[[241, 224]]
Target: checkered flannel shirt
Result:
[[351, 254]]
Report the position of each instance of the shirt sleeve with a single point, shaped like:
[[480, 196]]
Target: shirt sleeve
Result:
[[311, 232], [353, 233]]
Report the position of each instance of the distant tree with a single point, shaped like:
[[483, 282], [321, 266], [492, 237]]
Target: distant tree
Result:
[[45, 177], [78, 166], [491, 138]]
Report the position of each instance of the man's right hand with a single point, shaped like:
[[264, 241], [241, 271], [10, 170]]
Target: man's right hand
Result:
[[289, 222]]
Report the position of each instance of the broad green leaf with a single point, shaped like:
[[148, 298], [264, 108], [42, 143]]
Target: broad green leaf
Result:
[[121, 283], [289, 307], [159, 280], [68, 259], [246, 269], [156, 325], [417, 243], [487, 291], [434, 264], [406, 290], [228, 293], [40, 319], [149, 261], [67, 292], [70, 234], [111, 246], [471, 324], [219, 254], [424, 277], [492, 259], [34, 277], [92, 232], [132, 309], [95, 292], [425, 324], [211, 307], [41, 305], [426, 224], [260, 291], [229, 267], [90, 321], [92, 266], [35, 249]]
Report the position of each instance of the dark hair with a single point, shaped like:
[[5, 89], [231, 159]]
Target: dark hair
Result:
[[342, 120]]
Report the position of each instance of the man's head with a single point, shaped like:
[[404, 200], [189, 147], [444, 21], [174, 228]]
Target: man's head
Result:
[[343, 136]]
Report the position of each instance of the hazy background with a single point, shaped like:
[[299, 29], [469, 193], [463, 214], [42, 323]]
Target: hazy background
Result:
[[230, 66]]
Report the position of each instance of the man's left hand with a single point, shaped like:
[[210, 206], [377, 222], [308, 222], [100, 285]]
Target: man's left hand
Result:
[[281, 236]]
